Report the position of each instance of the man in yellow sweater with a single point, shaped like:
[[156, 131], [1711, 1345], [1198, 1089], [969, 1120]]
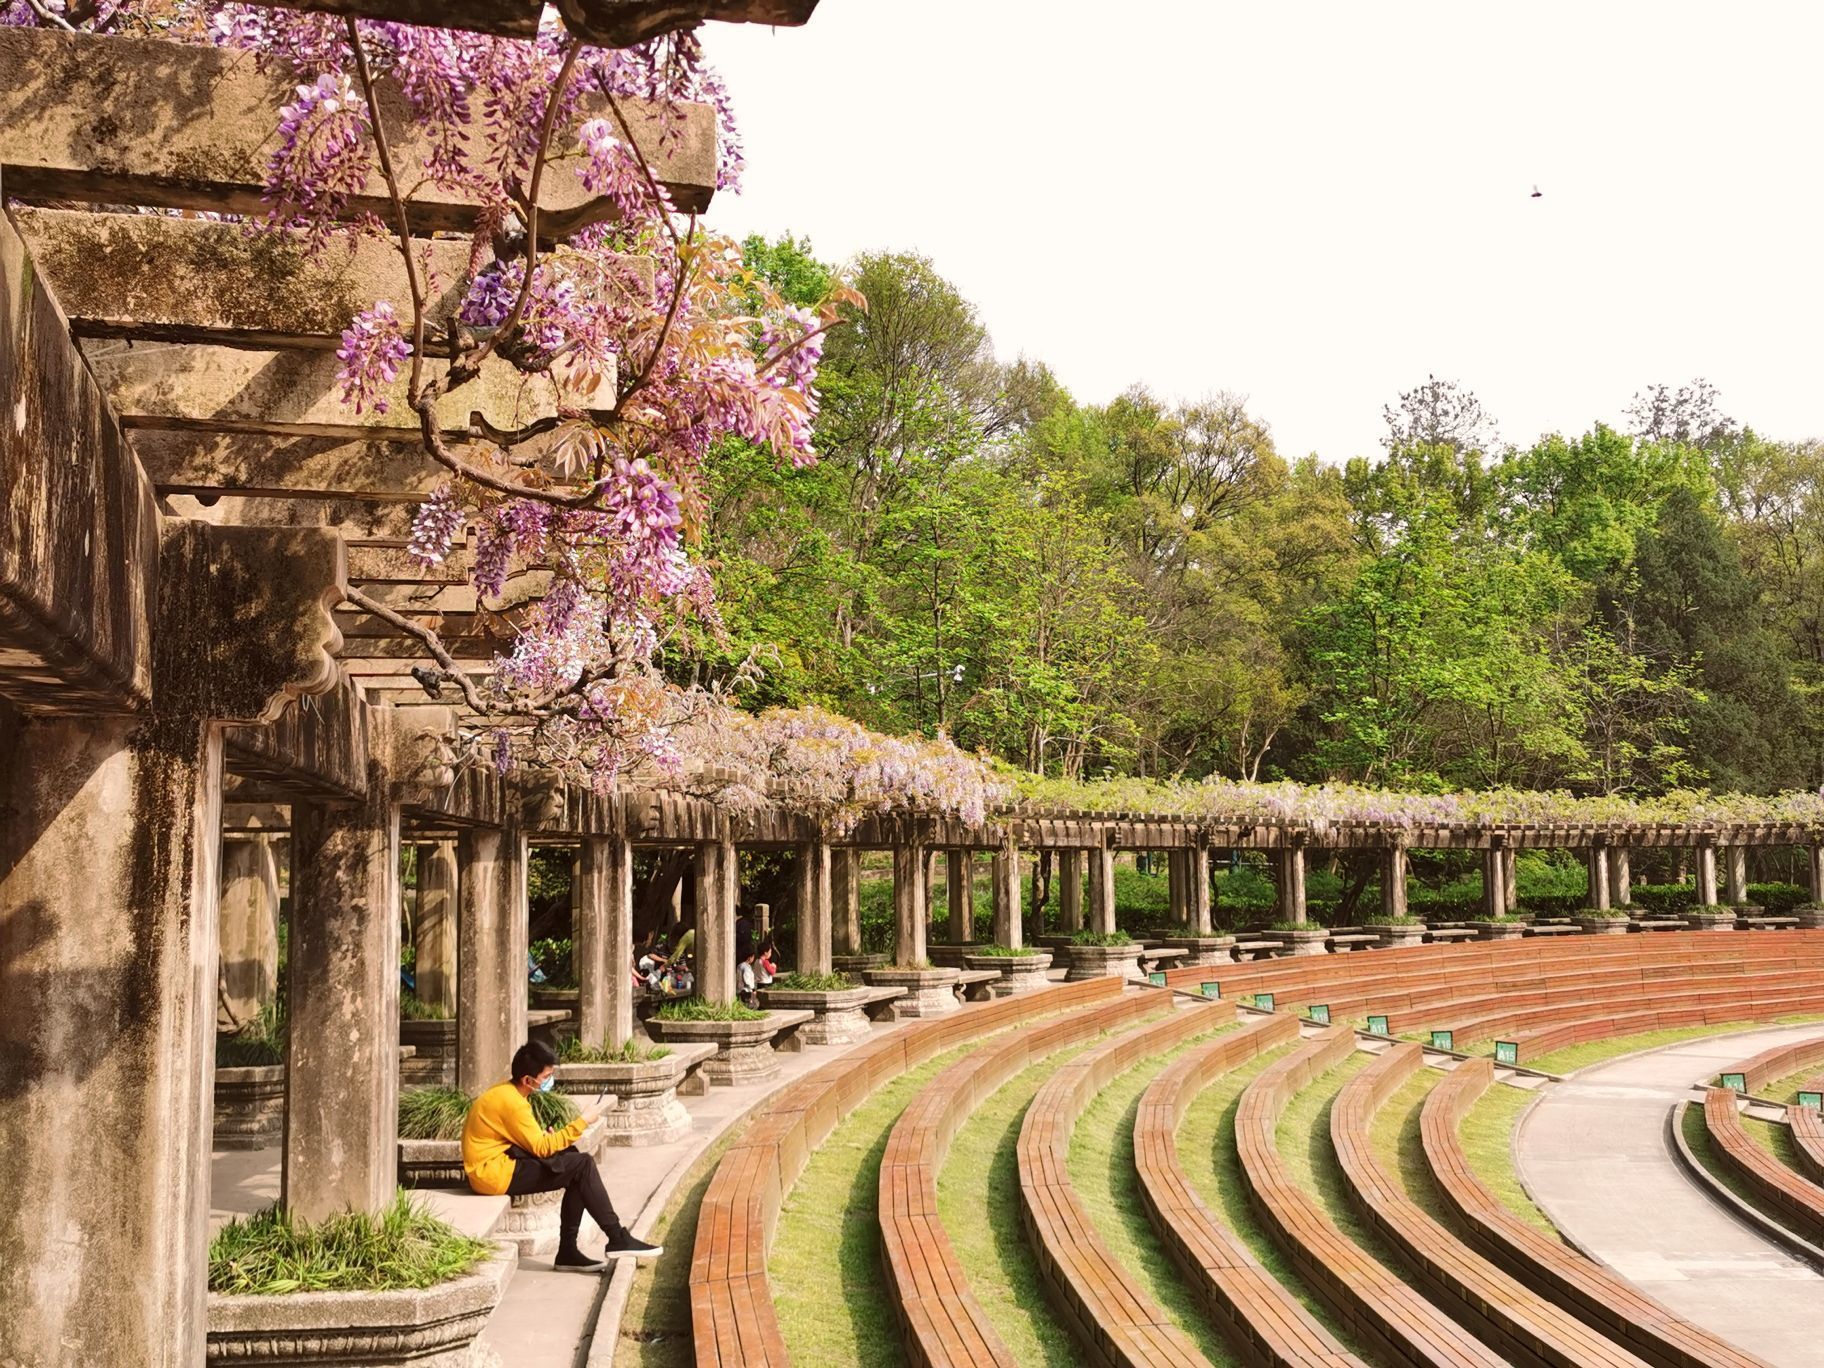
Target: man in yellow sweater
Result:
[[505, 1150]]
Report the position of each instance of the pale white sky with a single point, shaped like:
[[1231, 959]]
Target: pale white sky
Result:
[[1316, 204]]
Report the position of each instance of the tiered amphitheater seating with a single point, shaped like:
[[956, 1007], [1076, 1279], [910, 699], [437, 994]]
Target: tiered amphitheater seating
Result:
[[1798, 1201], [1261, 1317], [1503, 1312], [731, 1304], [943, 1323], [1808, 1135], [1781, 1061], [1114, 1320], [1381, 1307], [1601, 1298]]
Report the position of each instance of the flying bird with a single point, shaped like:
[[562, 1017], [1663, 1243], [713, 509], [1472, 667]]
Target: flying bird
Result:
[[1537, 194]]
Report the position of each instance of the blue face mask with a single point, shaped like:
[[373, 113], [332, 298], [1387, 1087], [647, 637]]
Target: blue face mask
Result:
[[547, 1084]]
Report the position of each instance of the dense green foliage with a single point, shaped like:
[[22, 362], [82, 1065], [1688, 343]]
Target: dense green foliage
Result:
[[696, 1009], [573, 1051], [437, 1113], [404, 1246], [261, 1042], [813, 983], [1151, 588]]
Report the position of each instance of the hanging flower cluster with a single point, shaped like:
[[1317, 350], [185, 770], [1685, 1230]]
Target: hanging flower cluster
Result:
[[1324, 807], [650, 332]]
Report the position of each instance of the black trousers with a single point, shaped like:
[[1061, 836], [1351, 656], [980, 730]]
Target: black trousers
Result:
[[576, 1174]]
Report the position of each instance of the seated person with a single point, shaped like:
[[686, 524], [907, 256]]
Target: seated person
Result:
[[747, 982], [505, 1150]]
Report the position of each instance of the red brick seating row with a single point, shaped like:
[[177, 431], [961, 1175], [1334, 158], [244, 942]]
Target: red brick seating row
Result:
[[1266, 1323], [1797, 1200], [1600, 1020], [1112, 1317], [731, 1302], [944, 1324], [1600, 1297], [1503, 1311], [1778, 1062], [1385, 1310]]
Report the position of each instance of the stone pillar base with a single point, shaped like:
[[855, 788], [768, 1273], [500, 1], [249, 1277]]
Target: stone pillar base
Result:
[[1013, 985], [1710, 921], [1203, 951], [1500, 931], [839, 1026], [249, 1107], [929, 992], [739, 1064], [1106, 961], [1301, 943], [1393, 937]]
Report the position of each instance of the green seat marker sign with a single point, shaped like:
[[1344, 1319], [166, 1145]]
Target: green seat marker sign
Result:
[[1735, 1082], [1156, 978], [1264, 1001], [1442, 1040], [1507, 1052], [1814, 1100], [1211, 988], [1320, 1013], [1377, 1025]]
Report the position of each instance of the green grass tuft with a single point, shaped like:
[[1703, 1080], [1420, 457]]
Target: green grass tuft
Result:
[[404, 1246], [1304, 1143], [573, 1051], [1487, 1134], [432, 1113], [698, 1009], [1101, 938], [813, 983], [414, 1008]]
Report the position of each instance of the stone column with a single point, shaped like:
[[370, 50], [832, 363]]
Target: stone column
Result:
[[1815, 868], [249, 931], [1393, 883], [1510, 878], [603, 951], [108, 887], [959, 881], [1008, 927], [1494, 882], [908, 905], [1199, 887], [1177, 896], [763, 923], [845, 899], [1706, 875], [814, 908], [1735, 875], [439, 929], [1102, 890], [491, 959], [342, 1055], [1291, 883], [718, 890], [1621, 878], [1598, 860], [1070, 891]]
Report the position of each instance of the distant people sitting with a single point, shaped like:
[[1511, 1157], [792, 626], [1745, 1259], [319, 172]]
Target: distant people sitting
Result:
[[505, 1150], [766, 963]]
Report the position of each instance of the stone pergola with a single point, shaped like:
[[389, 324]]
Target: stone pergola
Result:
[[184, 686]]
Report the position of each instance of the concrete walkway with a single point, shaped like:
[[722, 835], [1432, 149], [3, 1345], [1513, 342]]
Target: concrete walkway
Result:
[[1595, 1155]]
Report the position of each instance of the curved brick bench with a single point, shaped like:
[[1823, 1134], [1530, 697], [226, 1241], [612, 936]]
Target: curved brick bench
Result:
[[943, 1323], [1808, 1136], [731, 1301], [1761, 1069], [1385, 1310], [1113, 1318], [1549, 1266], [1798, 1201], [1266, 1323], [1503, 1311], [1599, 1020]]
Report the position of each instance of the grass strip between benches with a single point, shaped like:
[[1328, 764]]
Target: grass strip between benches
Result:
[[978, 1200], [1206, 1151], [1101, 1167], [828, 1289]]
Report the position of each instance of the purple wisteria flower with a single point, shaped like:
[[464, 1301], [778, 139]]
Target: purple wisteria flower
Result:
[[436, 526], [373, 346]]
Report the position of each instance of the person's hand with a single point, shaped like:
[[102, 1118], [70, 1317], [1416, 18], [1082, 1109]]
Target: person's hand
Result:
[[596, 1110]]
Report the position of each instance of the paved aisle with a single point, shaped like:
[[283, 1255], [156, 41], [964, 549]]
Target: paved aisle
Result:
[[1595, 1155]]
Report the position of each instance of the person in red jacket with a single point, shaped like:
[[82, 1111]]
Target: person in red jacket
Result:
[[505, 1150]]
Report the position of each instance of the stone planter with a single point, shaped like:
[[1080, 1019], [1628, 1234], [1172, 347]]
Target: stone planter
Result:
[[929, 992], [649, 1112], [1299, 943], [1723, 920], [1202, 950], [839, 1017], [249, 1107], [855, 965], [1810, 918], [1500, 931], [435, 1327], [433, 1059], [529, 1222], [1603, 926], [744, 1049], [1019, 973], [431, 1164], [1105, 961], [1393, 937], [556, 999], [950, 956]]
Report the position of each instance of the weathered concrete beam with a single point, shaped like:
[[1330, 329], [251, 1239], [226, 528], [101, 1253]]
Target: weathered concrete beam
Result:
[[78, 525], [319, 747], [296, 393], [282, 467], [353, 520], [117, 120]]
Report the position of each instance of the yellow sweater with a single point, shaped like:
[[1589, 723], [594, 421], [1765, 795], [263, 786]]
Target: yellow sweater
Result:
[[501, 1116]]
